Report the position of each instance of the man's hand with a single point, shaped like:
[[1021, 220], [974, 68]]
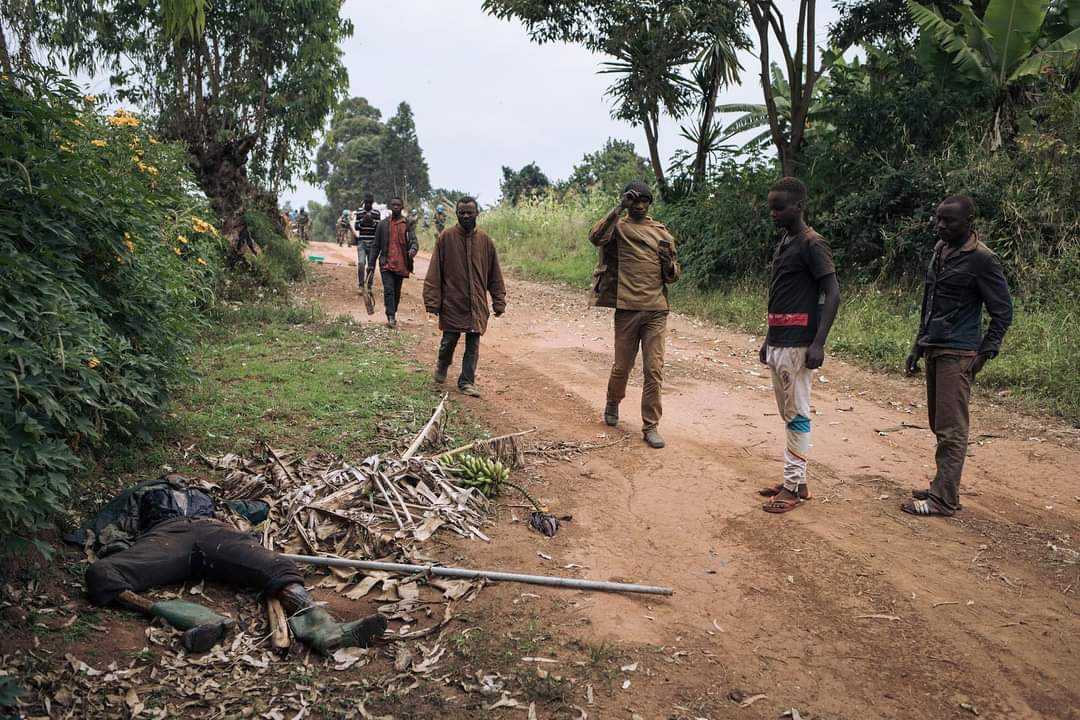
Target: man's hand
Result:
[[911, 365], [763, 353], [977, 363], [663, 249], [628, 199], [815, 357]]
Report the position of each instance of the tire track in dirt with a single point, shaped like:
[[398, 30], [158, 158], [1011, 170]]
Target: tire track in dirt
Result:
[[985, 603]]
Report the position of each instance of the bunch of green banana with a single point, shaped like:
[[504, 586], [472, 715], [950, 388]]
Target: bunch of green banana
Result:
[[482, 473]]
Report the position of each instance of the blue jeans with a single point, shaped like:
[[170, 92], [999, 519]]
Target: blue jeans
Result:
[[365, 265], [468, 361]]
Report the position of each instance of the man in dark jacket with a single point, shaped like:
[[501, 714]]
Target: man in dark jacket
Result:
[[963, 277], [464, 269], [395, 239]]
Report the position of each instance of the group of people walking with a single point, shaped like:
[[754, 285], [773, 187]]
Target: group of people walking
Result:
[[638, 260]]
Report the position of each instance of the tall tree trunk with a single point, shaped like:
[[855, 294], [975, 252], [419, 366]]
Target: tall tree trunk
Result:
[[704, 140], [5, 58], [654, 153]]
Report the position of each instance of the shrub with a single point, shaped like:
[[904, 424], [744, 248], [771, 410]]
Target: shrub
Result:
[[108, 264]]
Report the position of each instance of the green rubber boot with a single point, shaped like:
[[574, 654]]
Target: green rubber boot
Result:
[[318, 629], [202, 627]]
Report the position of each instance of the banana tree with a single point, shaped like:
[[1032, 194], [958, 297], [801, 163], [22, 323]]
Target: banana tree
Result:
[[1013, 41]]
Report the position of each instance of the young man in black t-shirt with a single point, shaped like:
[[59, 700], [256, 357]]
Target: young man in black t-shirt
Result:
[[803, 299]]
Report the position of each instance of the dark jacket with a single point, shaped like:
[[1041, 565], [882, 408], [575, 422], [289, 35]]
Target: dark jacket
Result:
[[382, 241], [955, 291], [463, 270]]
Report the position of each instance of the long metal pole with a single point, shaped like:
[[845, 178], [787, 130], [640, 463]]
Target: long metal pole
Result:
[[601, 585]]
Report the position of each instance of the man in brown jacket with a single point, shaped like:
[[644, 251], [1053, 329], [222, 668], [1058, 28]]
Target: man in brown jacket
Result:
[[464, 269], [637, 261]]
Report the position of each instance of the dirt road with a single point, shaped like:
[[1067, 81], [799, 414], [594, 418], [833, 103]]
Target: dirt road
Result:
[[845, 608]]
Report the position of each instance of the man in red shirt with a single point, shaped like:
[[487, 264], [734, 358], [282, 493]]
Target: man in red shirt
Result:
[[396, 240]]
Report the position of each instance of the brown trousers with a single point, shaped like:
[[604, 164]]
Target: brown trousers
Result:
[[648, 329], [948, 390]]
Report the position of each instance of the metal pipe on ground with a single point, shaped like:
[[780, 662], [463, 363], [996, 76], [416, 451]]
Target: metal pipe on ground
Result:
[[548, 580]]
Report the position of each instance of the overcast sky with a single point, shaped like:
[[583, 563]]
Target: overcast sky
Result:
[[485, 96]]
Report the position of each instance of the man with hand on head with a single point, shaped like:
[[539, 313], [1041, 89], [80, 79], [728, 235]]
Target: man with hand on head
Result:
[[963, 277], [463, 271], [395, 238], [637, 261], [804, 298], [365, 224]]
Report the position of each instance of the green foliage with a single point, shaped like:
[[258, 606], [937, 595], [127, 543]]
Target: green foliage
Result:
[[361, 154], [280, 261], [529, 181], [107, 267], [609, 169]]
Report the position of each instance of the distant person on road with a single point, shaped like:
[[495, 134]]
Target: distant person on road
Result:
[[637, 261], [463, 271], [804, 297], [964, 276], [440, 220], [303, 225], [397, 246], [344, 232], [365, 224]]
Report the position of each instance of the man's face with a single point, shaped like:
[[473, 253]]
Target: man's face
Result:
[[639, 208], [951, 223], [467, 212], [367, 203], [395, 208], [784, 210]]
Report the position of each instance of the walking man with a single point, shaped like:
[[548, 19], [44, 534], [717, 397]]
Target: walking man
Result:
[[343, 231], [463, 271], [397, 246], [367, 221], [804, 297], [963, 277], [637, 261], [303, 225]]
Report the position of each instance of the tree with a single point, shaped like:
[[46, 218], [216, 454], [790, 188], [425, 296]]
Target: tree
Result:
[[526, 182], [801, 69], [654, 43], [1013, 41], [402, 168], [246, 88], [609, 169]]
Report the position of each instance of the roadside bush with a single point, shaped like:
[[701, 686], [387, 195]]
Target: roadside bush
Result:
[[108, 264]]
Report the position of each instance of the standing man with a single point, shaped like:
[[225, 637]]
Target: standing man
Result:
[[804, 297], [637, 261], [464, 270], [440, 220], [367, 221], [964, 275], [344, 232], [397, 246], [303, 225]]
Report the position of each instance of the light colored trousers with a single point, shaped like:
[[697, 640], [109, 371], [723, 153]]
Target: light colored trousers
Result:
[[791, 382]]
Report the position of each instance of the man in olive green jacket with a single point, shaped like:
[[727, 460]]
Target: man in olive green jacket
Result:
[[637, 261]]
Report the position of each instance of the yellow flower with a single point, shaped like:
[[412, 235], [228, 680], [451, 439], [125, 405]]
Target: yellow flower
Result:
[[123, 118], [200, 261], [67, 147], [152, 140], [177, 251], [78, 122], [129, 243], [92, 362], [182, 238], [90, 99], [99, 143], [119, 260], [151, 169], [201, 226]]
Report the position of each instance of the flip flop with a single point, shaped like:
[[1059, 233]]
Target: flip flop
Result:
[[925, 495], [924, 508], [780, 506], [772, 490]]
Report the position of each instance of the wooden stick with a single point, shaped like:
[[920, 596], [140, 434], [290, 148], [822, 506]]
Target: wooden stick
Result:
[[435, 416], [279, 626], [474, 443]]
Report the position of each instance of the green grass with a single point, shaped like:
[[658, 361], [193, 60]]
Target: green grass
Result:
[[1037, 366]]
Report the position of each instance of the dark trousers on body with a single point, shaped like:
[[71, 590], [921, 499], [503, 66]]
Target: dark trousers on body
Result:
[[468, 361], [189, 549], [644, 328], [366, 256], [948, 390], [391, 288]]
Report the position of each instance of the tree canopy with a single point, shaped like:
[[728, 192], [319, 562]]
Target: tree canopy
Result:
[[609, 169], [519, 184]]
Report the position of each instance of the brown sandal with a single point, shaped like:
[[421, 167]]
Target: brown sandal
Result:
[[780, 506], [773, 490]]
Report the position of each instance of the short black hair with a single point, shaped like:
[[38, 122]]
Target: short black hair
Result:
[[368, 197], [398, 198], [963, 201], [465, 200], [640, 188], [792, 186]]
